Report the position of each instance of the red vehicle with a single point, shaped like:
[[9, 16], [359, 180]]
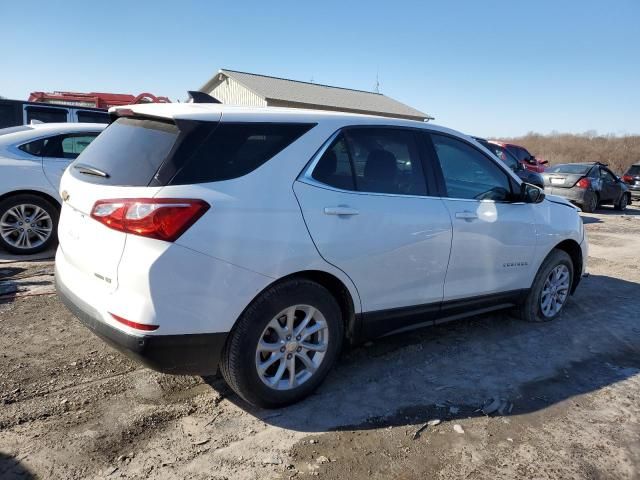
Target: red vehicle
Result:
[[94, 99], [522, 154]]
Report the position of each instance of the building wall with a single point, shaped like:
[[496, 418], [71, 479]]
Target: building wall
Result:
[[231, 92]]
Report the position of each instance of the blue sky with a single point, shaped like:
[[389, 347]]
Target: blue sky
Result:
[[491, 68]]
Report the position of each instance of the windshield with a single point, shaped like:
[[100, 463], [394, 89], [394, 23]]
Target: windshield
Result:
[[634, 170], [576, 169]]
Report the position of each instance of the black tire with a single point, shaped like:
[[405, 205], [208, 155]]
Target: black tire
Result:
[[592, 205], [30, 199], [622, 203], [531, 310], [238, 362]]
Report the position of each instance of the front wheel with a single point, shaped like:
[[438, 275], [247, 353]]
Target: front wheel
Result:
[[28, 224], [284, 344], [622, 203], [550, 290]]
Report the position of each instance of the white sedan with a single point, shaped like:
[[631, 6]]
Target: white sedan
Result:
[[32, 161]]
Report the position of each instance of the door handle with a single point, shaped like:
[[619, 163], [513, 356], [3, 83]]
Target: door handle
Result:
[[340, 211], [466, 215]]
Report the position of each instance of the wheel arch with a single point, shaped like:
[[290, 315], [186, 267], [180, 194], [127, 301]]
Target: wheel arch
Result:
[[338, 289], [573, 249], [37, 193]]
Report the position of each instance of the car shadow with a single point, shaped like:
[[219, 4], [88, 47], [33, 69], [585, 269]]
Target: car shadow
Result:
[[6, 257], [20, 280], [507, 366], [587, 220], [11, 469], [610, 210]]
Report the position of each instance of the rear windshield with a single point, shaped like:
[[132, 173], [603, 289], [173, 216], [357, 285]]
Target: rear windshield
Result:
[[570, 168], [129, 152], [634, 170]]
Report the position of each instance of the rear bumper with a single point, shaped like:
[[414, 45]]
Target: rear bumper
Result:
[[579, 196], [192, 354]]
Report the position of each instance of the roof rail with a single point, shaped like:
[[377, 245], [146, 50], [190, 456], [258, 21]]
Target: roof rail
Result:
[[196, 96]]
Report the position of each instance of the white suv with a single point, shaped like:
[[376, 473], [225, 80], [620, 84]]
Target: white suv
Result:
[[194, 236]]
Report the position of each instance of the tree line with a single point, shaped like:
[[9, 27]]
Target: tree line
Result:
[[619, 152]]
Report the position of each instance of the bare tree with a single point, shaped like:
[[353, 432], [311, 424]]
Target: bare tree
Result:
[[619, 152]]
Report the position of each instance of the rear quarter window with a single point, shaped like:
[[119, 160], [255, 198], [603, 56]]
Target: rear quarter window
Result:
[[236, 149]]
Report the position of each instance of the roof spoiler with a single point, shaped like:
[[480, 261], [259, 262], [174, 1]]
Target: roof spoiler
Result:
[[201, 97]]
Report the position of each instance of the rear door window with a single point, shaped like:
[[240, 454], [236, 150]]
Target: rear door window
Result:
[[386, 160], [74, 145], [374, 160], [130, 151]]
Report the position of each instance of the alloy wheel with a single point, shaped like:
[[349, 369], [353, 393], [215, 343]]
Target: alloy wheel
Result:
[[555, 291], [26, 226], [292, 347]]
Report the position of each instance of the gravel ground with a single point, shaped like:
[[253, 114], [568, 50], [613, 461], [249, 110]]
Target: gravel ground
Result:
[[561, 398]]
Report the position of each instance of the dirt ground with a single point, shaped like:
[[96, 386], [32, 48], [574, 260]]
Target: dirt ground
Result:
[[563, 398]]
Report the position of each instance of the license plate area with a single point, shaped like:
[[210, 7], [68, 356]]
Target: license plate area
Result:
[[557, 181], [93, 249]]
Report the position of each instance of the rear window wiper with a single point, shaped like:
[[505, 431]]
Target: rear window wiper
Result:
[[87, 170]]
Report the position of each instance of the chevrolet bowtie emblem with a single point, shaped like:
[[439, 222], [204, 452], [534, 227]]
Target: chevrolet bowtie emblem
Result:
[[65, 195]]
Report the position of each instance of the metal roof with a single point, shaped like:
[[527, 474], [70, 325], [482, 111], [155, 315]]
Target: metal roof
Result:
[[305, 93]]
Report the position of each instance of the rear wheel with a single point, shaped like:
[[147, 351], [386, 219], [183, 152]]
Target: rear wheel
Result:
[[28, 224], [622, 203], [592, 204], [550, 289], [284, 344]]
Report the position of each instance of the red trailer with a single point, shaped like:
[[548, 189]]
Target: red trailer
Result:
[[94, 99]]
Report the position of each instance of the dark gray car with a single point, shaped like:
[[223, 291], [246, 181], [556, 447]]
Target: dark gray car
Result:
[[587, 185], [632, 179]]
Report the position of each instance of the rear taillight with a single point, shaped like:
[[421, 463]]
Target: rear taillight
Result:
[[583, 183], [627, 178], [159, 218]]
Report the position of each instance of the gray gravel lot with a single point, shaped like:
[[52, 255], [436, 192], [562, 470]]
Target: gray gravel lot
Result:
[[566, 395]]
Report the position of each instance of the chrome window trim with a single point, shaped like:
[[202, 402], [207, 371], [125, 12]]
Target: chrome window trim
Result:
[[306, 175]]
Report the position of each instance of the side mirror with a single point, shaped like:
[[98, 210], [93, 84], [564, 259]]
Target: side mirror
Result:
[[530, 193]]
